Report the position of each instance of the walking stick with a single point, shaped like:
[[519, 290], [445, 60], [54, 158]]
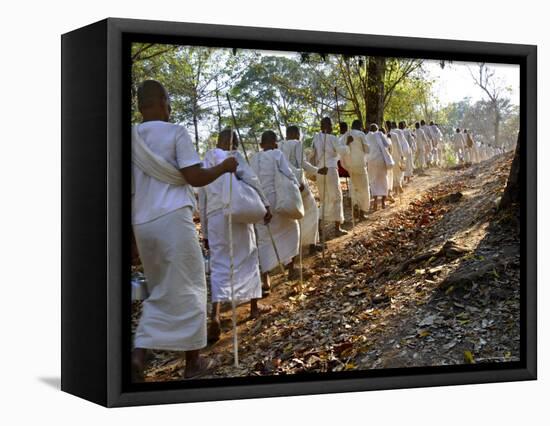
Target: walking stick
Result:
[[301, 220], [281, 267], [236, 128], [324, 196], [350, 193], [231, 265]]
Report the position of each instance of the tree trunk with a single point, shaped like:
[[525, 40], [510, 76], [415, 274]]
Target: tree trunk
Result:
[[497, 129], [512, 191], [375, 96], [219, 112], [196, 126]]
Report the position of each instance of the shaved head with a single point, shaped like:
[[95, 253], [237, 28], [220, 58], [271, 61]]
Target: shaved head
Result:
[[269, 140], [326, 125], [226, 137], [292, 133], [150, 92], [153, 101]]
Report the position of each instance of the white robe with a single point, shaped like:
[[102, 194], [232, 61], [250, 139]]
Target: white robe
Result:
[[309, 224], [285, 231], [468, 150], [174, 315], [458, 146], [437, 139], [356, 161], [246, 273], [407, 153], [377, 168], [409, 156], [429, 143], [397, 154], [326, 152]]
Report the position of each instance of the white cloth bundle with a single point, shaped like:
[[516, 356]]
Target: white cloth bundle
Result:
[[288, 198], [388, 159], [244, 204]]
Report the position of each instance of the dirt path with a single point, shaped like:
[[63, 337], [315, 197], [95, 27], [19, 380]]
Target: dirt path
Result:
[[363, 309]]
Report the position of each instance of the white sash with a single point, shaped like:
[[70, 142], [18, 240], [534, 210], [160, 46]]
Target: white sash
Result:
[[152, 164]]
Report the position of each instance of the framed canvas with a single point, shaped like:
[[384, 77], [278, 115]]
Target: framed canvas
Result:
[[430, 283]]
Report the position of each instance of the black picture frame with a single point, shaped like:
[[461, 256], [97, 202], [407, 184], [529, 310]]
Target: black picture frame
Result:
[[95, 210]]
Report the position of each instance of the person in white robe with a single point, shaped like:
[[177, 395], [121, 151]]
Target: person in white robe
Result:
[[411, 139], [379, 161], [437, 140], [458, 146], [285, 231], [407, 140], [422, 146], [326, 152], [293, 148], [399, 158], [430, 143], [468, 148], [246, 273], [484, 152], [356, 161], [164, 167], [475, 150]]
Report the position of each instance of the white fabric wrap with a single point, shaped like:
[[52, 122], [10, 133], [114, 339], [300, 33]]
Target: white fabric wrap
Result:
[[152, 164]]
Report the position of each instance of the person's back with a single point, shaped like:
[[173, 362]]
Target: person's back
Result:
[[266, 164], [358, 150], [153, 198], [377, 142], [326, 143]]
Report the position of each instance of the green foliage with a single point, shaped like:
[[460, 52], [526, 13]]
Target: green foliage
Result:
[[272, 91]]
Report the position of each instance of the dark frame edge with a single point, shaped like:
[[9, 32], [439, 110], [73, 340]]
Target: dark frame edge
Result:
[[83, 187], [530, 201]]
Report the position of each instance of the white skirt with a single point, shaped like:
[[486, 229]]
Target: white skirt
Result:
[[378, 178], [310, 222], [285, 233], [360, 191], [409, 165], [174, 315], [246, 274], [331, 202]]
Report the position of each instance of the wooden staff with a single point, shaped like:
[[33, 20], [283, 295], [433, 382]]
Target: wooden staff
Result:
[[237, 129], [281, 267], [231, 264], [350, 194], [324, 196], [301, 220]]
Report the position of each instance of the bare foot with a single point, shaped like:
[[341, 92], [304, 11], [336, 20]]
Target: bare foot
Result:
[[202, 367], [259, 310], [214, 331], [339, 232], [138, 364]]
